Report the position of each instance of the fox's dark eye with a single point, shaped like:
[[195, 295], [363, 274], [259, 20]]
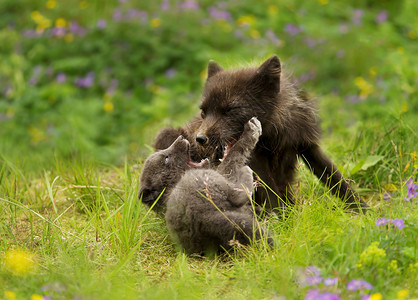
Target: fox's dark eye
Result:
[[166, 160], [202, 114]]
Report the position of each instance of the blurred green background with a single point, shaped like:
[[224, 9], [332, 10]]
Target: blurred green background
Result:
[[97, 79]]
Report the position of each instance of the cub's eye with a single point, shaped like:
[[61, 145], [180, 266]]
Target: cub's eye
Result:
[[202, 114], [166, 160]]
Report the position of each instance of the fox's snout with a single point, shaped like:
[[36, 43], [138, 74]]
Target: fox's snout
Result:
[[202, 139]]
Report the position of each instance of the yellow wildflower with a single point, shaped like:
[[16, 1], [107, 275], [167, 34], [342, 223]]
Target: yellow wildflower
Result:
[[60, 22], [155, 89], [51, 4], [365, 87], [323, 2], [254, 34], [391, 187], [9, 295], [225, 26], [10, 113], [373, 71], [155, 23], [248, 20], [35, 15], [273, 9], [69, 37], [400, 50], [402, 294], [372, 256], [83, 4], [404, 107], [412, 35], [204, 74], [393, 266], [19, 262], [376, 296], [37, 135], [108, 107], [36, 297]]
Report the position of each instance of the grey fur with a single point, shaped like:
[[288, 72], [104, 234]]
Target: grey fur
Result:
[[206, 208]]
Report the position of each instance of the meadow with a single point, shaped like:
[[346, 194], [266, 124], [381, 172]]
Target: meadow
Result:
[[84, 87]]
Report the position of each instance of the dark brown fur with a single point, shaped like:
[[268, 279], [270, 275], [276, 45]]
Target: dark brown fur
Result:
[[290, 128], [205, 209]]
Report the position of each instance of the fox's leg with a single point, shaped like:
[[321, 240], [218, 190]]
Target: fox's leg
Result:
[[234, 225], [241, 151], [328, 173]]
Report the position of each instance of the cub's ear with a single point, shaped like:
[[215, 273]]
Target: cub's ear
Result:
[[267, 76], [148, 196], [166, 137], [213, 68]]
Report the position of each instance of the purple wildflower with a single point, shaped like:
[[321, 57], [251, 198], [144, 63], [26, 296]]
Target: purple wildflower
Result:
[[219, 14], [352, 99], [117, 14], [36, 73], [307, 76], [399, 223], [292, 29], [101, 23], [412, 190], [31, 33], [189, 5], [387, 196], [313, 280], [310, 276], [165, 5], [343, 28], [238, 34], [137, 14], [381, 17], [357, 16], [114, 83], [272, 37], [341, 53], [311, 294], [312, 270], [330, 281], [310, 42], [6, 90], [85, 82], [77, 29], [316, 295], [61, 78], [170, 73], [382, 221], [58, 31], [365, 297], [358, 284]]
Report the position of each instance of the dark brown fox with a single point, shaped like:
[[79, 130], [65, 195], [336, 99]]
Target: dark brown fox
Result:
[[204, 208], [290, 128]]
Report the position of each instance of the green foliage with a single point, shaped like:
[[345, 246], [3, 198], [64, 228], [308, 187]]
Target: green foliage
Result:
[[85, 85], [92, 78]]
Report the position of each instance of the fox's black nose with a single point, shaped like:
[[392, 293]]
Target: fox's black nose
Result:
[[201, 139]]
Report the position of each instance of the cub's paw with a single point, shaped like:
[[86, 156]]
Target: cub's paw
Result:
[[253, 127]]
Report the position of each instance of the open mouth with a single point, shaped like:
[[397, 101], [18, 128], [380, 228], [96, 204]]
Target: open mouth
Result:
[[192, 163], [225, 149]]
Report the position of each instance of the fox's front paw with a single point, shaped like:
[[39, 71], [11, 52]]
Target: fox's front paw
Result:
[[253, 127]]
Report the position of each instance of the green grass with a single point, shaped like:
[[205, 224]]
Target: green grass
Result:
[[70, 156], [92, 238]]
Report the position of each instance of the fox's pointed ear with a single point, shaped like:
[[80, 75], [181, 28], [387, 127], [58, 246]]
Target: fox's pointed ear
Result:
[[268, 74], [213, 68]]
